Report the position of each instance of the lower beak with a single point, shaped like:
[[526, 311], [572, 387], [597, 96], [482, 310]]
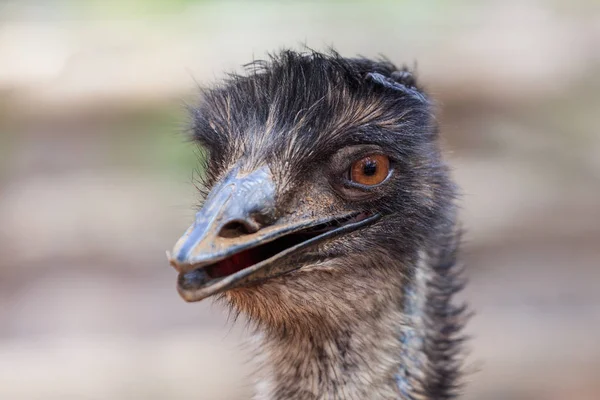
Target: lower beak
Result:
[[236, 239]]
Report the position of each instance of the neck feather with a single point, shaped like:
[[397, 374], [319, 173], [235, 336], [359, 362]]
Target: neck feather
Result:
[[396, 342], [345, 361]]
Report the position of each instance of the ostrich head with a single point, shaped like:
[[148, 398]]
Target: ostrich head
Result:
[[325, 194]]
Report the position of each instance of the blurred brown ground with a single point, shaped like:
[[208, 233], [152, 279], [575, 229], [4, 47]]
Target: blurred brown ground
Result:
[[95, 183]]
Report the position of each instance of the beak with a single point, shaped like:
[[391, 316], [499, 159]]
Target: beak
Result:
[[237, 238]]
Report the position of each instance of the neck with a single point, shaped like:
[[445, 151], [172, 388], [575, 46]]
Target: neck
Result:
[[362, 344], [347, 361]]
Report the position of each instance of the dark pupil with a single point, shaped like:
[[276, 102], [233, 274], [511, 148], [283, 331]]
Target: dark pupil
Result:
[[370, 168]]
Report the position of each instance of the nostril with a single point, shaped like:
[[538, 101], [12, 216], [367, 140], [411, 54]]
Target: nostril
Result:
[[235, 229]]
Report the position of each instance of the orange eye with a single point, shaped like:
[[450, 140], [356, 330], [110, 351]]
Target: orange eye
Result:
[[370, 170]]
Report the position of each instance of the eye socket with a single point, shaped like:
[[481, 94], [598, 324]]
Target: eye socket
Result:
[[370, 170]]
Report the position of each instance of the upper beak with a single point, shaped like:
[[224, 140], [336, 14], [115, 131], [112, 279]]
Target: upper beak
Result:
[[237, 236], [237, 205]]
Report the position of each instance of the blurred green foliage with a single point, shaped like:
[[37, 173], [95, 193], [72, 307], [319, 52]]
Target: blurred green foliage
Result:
[[135, 7], [145, 8], [155, 139]]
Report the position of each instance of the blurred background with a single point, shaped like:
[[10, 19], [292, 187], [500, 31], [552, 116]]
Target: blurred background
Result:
[[95, 184]]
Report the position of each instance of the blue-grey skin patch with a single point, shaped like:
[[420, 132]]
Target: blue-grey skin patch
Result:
[[392, 84], [411, 343]]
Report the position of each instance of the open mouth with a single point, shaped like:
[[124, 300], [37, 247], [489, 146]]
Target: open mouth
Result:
[[220, 275]]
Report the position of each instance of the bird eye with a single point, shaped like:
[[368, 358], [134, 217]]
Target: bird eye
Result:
[[370, 170]]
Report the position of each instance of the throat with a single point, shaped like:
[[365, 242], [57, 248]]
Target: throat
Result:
[[360, 328], [350, 361], [367, 333]]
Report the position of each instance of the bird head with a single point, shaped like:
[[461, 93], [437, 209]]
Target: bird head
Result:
[[323, 181]]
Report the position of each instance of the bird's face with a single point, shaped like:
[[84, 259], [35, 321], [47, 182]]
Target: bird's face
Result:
[[252, 228], [302, 187]]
